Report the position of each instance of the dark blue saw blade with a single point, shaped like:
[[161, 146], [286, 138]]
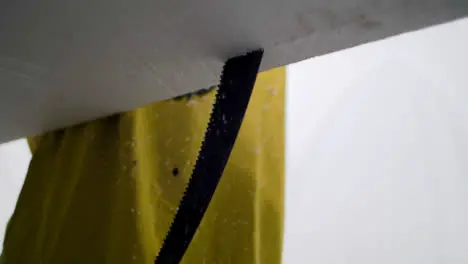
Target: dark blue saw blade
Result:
[[237, 82]]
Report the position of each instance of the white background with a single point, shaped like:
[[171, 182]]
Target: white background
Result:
[[377, 153], [14, 161]]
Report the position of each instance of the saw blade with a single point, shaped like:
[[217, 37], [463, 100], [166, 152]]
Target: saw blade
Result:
[[237, 82]]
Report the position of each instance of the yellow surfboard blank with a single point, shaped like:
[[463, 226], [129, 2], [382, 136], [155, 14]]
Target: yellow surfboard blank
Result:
[[106, 191]]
